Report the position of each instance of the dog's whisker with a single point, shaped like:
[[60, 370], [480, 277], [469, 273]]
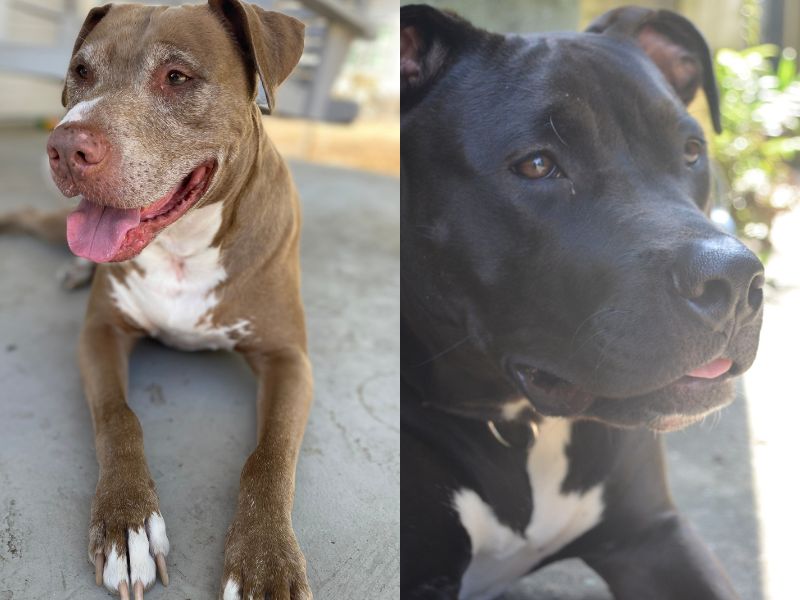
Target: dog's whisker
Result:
[[558, 135], [603, 312], [447, 350], [604, 351], [600, 331]]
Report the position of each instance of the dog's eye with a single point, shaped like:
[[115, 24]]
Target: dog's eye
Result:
[[177, 78], [537, 166], [81, 71], [692, 151]]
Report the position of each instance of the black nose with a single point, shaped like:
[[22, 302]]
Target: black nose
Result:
[[719, 279]]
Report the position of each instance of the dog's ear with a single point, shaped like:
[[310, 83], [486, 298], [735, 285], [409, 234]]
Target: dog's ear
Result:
[[676, 47], [92, 19], [271, 42], [430, 40]]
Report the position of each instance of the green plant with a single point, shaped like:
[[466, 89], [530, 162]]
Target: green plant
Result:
[[758, 149]]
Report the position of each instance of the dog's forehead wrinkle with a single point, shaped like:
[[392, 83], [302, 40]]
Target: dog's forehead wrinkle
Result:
[[127, 39], [88, 54], [562, 60], [159, 52]]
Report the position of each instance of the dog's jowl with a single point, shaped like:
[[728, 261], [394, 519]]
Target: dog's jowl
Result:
[[564, 296], [195, 222]]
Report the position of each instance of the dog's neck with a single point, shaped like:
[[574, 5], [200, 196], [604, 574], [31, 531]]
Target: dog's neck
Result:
[[452, 376]]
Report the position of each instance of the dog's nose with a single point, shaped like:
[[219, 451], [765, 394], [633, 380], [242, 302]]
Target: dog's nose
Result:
[[79, 150], [719, 279]]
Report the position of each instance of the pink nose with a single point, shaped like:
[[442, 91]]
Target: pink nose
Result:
[[76, 149]]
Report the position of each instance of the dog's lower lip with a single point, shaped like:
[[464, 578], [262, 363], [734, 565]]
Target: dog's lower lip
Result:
[[672, 422], [549, 392], [561, 397], [544, 380]]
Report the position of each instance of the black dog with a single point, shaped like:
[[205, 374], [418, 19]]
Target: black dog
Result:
[[563, 295]]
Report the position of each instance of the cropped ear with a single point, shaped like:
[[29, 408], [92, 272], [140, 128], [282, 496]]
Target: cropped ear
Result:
[[92, 19], [271, 42], [430, 41], [676, 47]]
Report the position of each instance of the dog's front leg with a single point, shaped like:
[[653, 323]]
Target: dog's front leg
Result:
[[262, 556], [665, 561], [127, 537]]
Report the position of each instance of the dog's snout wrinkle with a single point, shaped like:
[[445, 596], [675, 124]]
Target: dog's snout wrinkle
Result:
[[720, 280]]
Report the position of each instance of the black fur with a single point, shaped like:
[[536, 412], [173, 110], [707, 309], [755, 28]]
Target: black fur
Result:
[[569, 290]]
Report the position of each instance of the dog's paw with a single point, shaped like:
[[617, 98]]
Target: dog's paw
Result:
[[128, 541], [263, 561], [75, 274]]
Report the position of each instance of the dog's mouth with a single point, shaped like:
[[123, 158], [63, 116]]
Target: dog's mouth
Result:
[[675, 405], [108, 234]]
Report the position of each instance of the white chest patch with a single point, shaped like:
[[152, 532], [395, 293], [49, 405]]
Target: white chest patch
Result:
[[174, 298], [500, 555]]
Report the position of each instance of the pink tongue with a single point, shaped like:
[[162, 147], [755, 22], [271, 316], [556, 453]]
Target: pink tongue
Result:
[[97, 232], [713, 369]]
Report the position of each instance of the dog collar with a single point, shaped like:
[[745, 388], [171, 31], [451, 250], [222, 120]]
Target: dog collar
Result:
[[514, 434]]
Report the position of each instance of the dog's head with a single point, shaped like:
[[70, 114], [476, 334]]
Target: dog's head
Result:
[[160, 99], [554, 196]]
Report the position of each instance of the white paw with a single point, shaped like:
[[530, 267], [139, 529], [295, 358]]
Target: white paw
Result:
[[134, 567], [142, 565], [231, 591], [75, 274], [115, 571], [157, 534]]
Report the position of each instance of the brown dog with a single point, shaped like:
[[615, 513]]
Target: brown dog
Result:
[[195, 218]]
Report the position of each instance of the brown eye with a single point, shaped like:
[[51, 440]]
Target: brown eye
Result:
[[692, 151], [537, 166], [177, 78], [82, 71]]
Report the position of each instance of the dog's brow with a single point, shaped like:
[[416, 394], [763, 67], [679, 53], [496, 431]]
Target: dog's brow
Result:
[[562, 121], [85, 54], [167, 52], [690, 124]]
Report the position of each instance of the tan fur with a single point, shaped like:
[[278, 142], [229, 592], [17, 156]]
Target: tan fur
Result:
[[159, 143], [44, 225]]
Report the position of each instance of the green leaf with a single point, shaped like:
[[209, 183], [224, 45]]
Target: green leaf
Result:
[[787, 71]]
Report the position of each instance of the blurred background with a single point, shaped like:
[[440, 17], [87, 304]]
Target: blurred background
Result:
[[730, 474], [339, 107], [337, 123]]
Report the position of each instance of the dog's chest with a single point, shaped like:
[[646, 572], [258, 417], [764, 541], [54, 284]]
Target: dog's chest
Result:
[[173, 286], [501, 555]]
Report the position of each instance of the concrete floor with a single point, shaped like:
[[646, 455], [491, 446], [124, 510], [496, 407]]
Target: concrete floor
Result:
[[197, 409]]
